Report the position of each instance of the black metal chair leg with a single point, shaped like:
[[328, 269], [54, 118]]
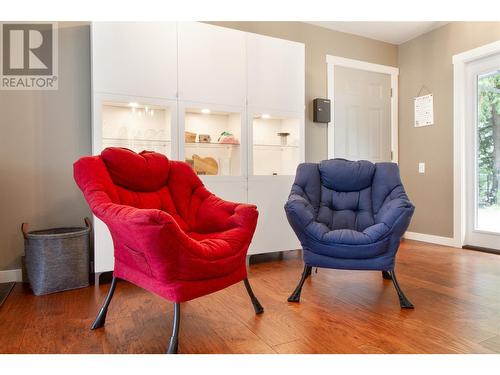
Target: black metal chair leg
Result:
[[101, 317], [173, 343], [404, 302], [255, 302], [295, 296], [386, 275]]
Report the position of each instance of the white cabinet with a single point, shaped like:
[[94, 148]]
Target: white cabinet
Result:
[[229, 103], [229, 189], [276, 141], [135, 58], [273, 232], [276, 69], [212, 64], [104, 254]]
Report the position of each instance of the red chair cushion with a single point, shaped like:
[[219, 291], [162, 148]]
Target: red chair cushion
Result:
[[147, 171]]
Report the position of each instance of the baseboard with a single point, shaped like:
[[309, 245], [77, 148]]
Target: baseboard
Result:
[[438, 240], [11, 276]]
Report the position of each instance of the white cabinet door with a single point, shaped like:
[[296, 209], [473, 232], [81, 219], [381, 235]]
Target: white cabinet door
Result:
[[276, 71], [273, 233], [212, 64], [104, 250], [227, 188], [135, 58]]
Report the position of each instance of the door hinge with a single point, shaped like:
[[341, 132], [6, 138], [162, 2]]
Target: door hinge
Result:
[[391, 92]]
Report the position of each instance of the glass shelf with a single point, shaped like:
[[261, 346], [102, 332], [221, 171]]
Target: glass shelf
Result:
[[137, 126], [210, 145], [135, 140], [276, 148], [211, 157]]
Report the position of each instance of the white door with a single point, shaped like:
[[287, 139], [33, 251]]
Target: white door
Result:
[[212, 64], [482, 153], [362, 115]]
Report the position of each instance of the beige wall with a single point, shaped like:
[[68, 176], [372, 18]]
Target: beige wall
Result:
[[427, 60], [320, 42], [42, 134]]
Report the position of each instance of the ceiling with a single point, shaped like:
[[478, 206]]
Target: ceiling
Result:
[[390, 32]]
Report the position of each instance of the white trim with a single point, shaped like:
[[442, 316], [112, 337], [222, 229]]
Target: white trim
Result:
[[363, 65], [333, 61], [11, 276], [438, 240], [459, 82]]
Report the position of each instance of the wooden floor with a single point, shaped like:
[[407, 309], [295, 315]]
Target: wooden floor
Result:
[[456, 293]]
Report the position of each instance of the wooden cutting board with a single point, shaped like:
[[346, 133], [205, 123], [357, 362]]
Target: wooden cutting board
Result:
[[207, 166]]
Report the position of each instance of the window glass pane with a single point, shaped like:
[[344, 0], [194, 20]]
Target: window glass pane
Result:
[[488, 152]]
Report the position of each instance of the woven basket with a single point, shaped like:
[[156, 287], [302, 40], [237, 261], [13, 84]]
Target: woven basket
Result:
[[57, 259]]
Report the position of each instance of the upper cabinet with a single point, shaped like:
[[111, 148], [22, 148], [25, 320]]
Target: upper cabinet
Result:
[[212, 64], [135, 58], [276, 69]]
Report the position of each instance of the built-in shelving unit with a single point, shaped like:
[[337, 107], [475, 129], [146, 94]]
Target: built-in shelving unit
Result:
[[230, 103]]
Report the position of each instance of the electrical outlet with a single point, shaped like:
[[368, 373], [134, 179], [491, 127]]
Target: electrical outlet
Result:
[[421, 167]]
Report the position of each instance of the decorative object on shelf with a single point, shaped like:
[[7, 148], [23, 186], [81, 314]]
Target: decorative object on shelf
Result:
[[228, 138], [190, 162], [57, 259], [189, 137], [205, 166], [204, 138], [283, 138]]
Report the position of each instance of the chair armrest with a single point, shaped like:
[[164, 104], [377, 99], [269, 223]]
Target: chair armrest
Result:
[[217, 215], [151, 232], [299, 211], [393, 210]]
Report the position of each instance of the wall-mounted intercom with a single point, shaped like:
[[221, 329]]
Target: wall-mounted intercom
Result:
[[321, 110]]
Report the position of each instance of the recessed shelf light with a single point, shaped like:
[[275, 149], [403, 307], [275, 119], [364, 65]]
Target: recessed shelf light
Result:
[[205, 111], [133, 104], [265, 116]]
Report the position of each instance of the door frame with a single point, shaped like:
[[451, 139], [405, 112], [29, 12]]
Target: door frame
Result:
[[333, 61], [460, 128]]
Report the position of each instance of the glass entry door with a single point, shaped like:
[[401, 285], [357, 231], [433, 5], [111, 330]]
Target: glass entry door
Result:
[[483, 156]]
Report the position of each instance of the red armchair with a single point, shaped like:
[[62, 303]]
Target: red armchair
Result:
[[171, 235]]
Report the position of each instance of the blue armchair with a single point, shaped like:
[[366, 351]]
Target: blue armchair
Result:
[[349, 215]]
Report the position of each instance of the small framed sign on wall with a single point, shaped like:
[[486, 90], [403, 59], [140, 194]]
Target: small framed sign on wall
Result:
[[424, 110]]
